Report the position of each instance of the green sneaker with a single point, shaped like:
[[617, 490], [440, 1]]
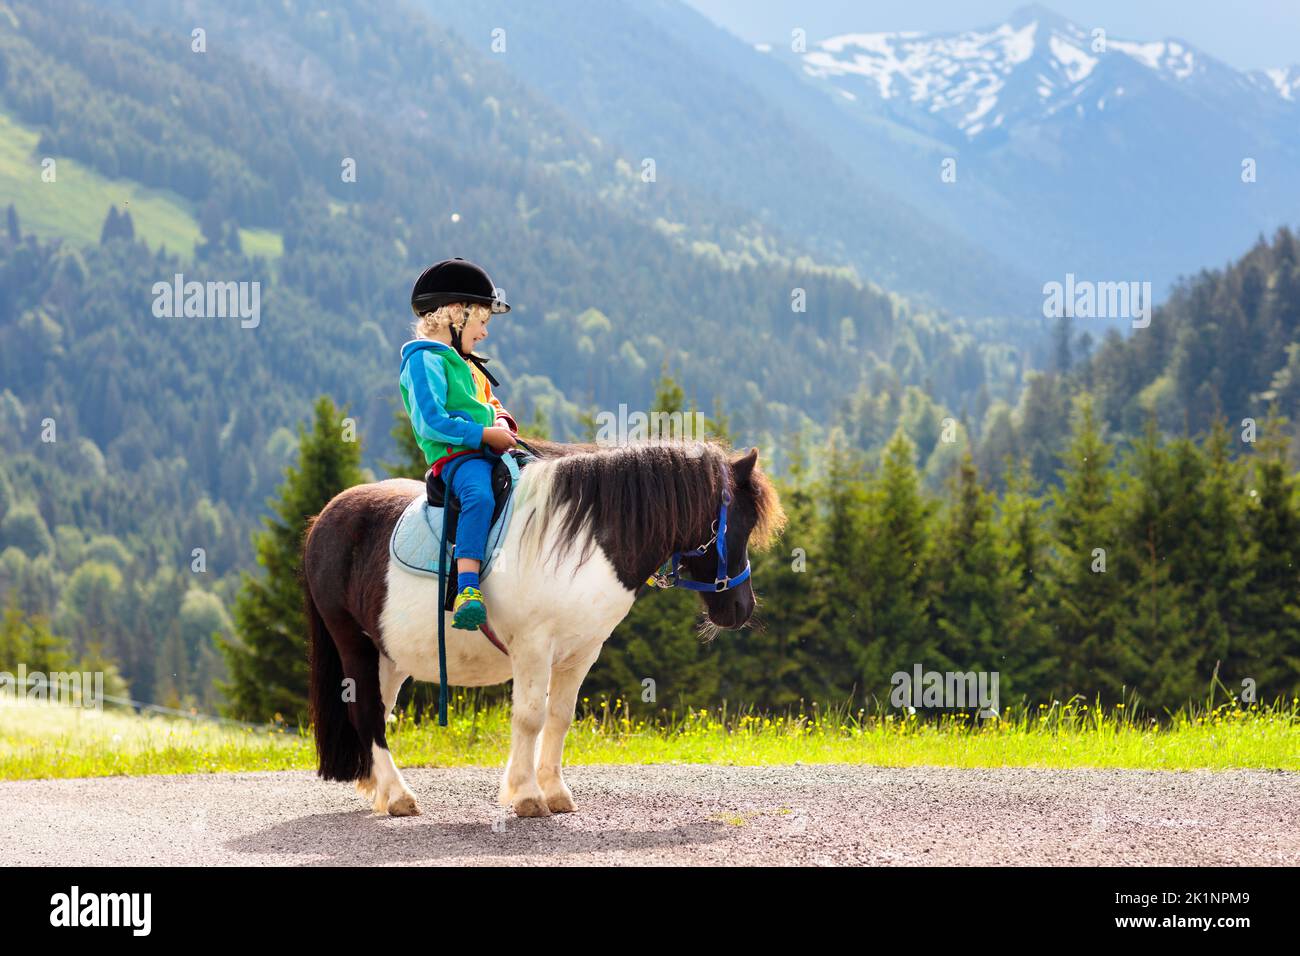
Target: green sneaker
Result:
[[468, 610]]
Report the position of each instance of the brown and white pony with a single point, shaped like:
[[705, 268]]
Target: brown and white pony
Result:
[[590, 524]]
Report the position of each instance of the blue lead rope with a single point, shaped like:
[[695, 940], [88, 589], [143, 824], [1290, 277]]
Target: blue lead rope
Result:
[[442, 618]]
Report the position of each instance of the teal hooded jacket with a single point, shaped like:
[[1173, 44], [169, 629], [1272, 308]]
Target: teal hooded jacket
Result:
[[448, 400]]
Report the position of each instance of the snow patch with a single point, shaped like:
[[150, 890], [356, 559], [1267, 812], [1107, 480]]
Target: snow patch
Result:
[[985, 104], [1285, 84], [871, 42], [1182, 64], [1076, 64], [1148, 54], [1019, 45]]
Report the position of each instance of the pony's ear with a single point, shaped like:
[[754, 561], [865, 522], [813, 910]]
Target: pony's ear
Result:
[[743, 467]]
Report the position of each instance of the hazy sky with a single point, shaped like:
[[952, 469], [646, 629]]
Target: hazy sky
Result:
[[1247, 34]]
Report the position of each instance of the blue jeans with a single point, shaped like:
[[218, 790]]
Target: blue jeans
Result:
[[472, 484]]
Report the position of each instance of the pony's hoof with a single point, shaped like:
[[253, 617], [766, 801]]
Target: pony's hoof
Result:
[[531, 807], [561, 803], [366, 787], [404, 806]]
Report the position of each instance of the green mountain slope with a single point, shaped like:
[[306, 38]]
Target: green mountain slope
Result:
[[72, 205], [249, 153], [173, 432]]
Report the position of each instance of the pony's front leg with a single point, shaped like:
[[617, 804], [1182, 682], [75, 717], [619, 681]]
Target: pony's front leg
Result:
[[559, 715], [531, 663]]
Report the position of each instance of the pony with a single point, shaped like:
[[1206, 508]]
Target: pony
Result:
[[591, 523]]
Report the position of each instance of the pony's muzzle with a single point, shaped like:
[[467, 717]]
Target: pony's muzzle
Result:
[[730, 610]]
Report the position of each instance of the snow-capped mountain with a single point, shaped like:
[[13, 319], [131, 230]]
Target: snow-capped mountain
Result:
[[1072, 150], [1132, 159], [1285, 81], [1030, 69]]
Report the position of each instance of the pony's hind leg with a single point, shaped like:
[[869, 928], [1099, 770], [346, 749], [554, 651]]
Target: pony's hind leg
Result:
[[561, 700], [391, 680], [383, 785], [389, 792]]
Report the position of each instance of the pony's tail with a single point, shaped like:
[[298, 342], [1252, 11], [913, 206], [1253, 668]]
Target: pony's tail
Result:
[[339, 753]]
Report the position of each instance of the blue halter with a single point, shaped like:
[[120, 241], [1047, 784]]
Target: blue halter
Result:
[[668, 576]]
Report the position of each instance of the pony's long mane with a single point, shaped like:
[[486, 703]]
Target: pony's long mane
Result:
[[643, 498]]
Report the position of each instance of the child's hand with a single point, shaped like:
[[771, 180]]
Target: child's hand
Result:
[[498, 439]]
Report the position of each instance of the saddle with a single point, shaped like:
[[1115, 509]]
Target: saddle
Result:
[[417, 537]]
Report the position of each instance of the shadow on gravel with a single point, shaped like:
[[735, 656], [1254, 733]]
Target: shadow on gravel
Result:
[[363, 839]]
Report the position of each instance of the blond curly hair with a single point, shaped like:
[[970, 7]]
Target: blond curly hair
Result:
[[453, 315]]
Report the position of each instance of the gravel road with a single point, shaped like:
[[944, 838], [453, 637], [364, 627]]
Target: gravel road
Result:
[[638, 815]]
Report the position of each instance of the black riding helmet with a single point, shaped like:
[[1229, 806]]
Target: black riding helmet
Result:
[[456, 280]]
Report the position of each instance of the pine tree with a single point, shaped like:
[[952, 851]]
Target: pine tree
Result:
[[267, 659], [1084, 593], [211, 230], [1211, 561], [11, 224], [1157, 511], [895, 633], [117, 226], [1226, 566], [972, 590], [110, 228], [836, 576], [1274, 594], [1062, 341], [1029, 662], [669, 396], [1045, 416], [718, 424]]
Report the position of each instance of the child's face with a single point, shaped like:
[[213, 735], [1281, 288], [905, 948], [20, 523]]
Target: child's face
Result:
[[475, 330]]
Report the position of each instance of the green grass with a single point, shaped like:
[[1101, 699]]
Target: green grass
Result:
[[75, 205], [41, 740]]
